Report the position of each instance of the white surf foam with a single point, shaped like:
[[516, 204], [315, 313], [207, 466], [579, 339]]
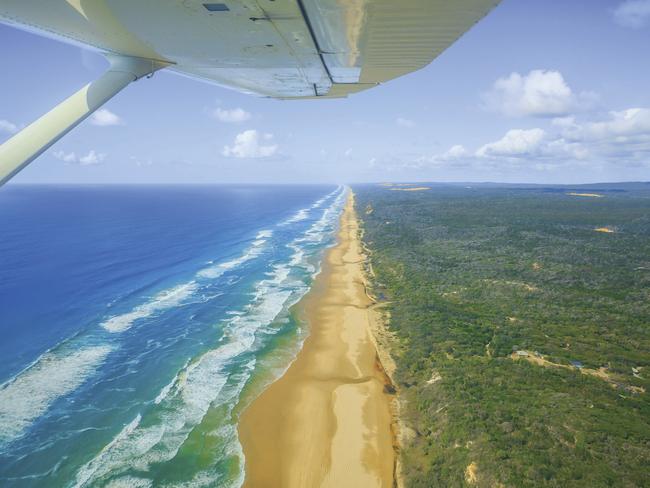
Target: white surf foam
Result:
[[29, 395], [166, 299], [298, 254], [168, 387], [326, 224], [299, 216], [317, 233], [253, 251], [303, 213], [182, 407], [320, 202], [129, 482], [84, 475], [217, 270]]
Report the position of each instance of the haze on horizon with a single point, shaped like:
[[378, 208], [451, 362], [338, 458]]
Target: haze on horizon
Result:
[[537, 92]]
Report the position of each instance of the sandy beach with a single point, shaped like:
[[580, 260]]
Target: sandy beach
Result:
[[327, 420]]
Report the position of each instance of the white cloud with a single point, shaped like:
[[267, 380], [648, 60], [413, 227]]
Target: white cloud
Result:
[[92, 158], [141, 162], [251, 144], [232, 116], [618, 138], [516, 142], [89, 159], [6, 126], [623, 125], [623, 137], [455, 152], [532, 146], [65, 157], [402, 122], [104, 117], [561, 149], [348, 152], [633, 13], [539, 94], [564, 121], [580, 145]]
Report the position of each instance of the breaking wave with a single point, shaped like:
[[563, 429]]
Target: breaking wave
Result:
[[54, 374], [162, 301]]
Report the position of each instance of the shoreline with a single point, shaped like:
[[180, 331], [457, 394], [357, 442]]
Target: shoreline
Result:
[[328, 421]]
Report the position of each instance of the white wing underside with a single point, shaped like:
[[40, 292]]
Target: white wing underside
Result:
[[275, 48]]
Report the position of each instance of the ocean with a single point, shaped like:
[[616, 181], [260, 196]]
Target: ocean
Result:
[[137, 322]]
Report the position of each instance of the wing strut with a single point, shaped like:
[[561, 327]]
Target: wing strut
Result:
[[33, 140]]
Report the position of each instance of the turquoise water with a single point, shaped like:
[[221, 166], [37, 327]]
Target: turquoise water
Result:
[[135, 319]]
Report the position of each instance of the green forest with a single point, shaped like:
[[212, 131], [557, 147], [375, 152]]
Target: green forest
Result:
[[521, 318]]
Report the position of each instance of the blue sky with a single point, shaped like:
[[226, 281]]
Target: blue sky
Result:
[[550, 92]]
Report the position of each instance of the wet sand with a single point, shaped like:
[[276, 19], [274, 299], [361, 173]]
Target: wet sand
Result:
[[327, 420]]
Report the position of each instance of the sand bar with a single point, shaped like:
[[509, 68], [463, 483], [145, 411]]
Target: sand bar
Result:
[[590, 195], [327, 421]]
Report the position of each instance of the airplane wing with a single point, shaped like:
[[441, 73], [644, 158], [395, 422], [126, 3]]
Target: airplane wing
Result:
[[274, 48], [277, 48]]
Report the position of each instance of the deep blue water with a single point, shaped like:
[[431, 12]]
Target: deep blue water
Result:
[[133, 317]]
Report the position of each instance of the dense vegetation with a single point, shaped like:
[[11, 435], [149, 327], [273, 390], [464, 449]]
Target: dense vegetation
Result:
[[522, 331]]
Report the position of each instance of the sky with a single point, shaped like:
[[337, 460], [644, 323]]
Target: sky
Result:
[[550, 91]]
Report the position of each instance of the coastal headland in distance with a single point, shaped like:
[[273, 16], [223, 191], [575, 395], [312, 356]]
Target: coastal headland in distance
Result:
[[327, 421]]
